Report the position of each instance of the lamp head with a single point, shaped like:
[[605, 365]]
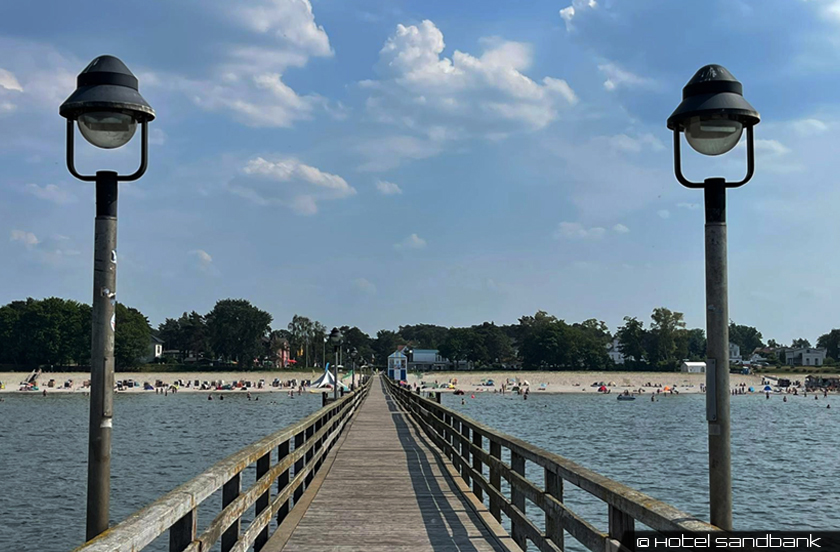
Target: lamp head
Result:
[[713, 113], [335, 336], [106, 103]]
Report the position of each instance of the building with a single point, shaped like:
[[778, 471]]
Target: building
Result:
[[805, 357], [693, 367], [734, 352], [425, 360], [614, 352], [398, 366], [155, 350]]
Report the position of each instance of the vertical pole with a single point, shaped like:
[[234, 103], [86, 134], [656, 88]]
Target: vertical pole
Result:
[[299, 467], [282, 481], [230, 491], [102, 354], [553, 526], [717, 352], [335, 372], [478, 466], [517, 498], [263, 465], [182, 533], [495, 479]]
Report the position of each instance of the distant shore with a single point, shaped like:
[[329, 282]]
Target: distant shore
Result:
[[538, 382]]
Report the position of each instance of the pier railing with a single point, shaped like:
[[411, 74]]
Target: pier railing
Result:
[[301, 449], [476, 451]]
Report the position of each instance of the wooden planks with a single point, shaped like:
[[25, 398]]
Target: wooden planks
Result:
[[388, 490]]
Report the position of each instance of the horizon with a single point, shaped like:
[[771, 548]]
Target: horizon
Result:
[[417, 162]]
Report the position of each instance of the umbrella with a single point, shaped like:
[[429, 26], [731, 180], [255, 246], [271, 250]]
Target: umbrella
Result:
[[602, 389], [768, 388], [666, 388], [291, 361]]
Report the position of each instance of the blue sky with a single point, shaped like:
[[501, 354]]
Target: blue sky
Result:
[[390, 162]]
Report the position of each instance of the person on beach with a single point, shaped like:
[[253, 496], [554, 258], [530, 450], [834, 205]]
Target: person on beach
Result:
[[209, 397]]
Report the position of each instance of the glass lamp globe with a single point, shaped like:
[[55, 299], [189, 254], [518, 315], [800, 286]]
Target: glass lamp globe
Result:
[[713, 136], [107, 130]]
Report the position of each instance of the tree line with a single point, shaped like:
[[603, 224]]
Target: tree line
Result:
[[56, 332]]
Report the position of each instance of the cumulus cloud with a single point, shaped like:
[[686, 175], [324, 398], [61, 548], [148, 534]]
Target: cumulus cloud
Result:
[[249, 81], [575, 230], [621, 78], [26, 238], [388, 188], [51, 192], [287, 181], [203, 259], [444, 98], [809, 127], [577, 6], [620, 229], [411, 242], [365, 286], [9, 81]]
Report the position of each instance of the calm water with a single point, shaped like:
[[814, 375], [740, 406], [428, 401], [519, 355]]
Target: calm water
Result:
[[786, 456]]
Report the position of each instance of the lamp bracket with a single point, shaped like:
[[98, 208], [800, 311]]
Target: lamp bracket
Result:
[[689, 184]]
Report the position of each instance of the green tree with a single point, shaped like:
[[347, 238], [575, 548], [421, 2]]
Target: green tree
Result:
[[236, 329], [831, 343], [631, 340], [662, 337], [746, 337], [424, 336], [131, 338], [800, 343], [386, 342]]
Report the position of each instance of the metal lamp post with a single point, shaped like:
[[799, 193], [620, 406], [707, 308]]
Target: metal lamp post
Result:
[[107, 107], [335, 338], [713, 115], [353, 354]]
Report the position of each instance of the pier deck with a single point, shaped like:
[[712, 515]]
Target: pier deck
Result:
[[388, 489]]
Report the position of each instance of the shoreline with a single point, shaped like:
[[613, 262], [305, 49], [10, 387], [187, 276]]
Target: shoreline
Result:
[[538, 382]]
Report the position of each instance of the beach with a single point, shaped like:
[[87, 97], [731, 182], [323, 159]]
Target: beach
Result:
[[538, 382]]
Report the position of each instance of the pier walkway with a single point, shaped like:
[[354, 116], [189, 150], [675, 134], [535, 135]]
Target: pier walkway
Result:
[[388, 489]]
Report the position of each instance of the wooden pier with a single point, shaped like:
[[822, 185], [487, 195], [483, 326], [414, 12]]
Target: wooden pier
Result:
[[384, 469]]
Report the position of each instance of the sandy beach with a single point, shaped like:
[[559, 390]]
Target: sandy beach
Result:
[[539, 382]]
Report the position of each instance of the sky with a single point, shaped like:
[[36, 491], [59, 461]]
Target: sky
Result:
[[389, 162]]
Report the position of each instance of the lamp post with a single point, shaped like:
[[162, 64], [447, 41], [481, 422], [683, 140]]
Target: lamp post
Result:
[[335, 338], [353, 354], [713, 115], [107, 107]]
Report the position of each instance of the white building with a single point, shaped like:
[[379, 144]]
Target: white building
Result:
[[398, 366], [693, 367], [155, 350], [734, 352], [805, 357], [614, 352], [426, 360]]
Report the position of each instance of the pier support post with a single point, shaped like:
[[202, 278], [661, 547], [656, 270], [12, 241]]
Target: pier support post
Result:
[[102, 354], [230, 491], [553, 526], [263, 465], [495, 479], [517, 498], [282, 481], [717, 353]]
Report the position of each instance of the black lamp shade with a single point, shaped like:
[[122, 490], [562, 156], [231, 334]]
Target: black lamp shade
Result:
[[713, 91], [107, 85]]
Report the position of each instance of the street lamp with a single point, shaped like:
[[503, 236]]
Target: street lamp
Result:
[[335, 338], [324, 352], [713, 115], [107, 107], [353, 354]]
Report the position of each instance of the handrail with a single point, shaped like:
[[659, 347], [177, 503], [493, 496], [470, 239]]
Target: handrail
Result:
[[462, 440], [177, 511]]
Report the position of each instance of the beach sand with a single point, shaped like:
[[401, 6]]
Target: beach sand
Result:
[[555, 382]]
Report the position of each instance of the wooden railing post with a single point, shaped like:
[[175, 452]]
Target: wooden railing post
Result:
[[282, 481], [553, 526], [229, 492], [517, 498], [183, 532], [447, 420], [495, 479], [622, 526], [263, 465], [478, 466], [299, 439], [310, 431], [465, 453]]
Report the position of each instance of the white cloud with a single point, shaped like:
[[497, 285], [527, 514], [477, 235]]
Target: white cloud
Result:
[[26, 238], [577, 6], [575, 230], [203, 256], [388, 152], [287, 181], [203, 261], [621, 229], [365, 286], [689, 206], [157, 137], [388, 188], [9, 81], [462, 96], [664, 213], [623, 142], [290, 21], [51, 192], [411, 242], [809, 127], [249, 82], [621, 78], [771, 147]]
